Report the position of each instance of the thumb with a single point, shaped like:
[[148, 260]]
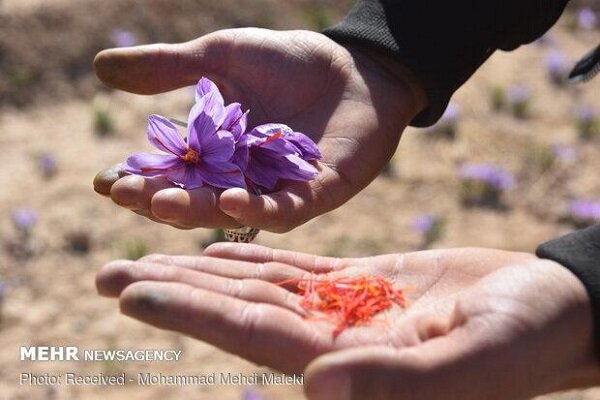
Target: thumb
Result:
[[433, 370], [158, 68]]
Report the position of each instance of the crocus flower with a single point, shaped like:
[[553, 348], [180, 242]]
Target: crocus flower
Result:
[[47, 165], [483, 184], [277, 152], [518, 97], [584, 210], [206, 157], [564, 153], [220, 152], [451, 114], [586, 18], [495, 177], [3, 290], [557, 66], [424, 223], [123, 38], [24, 219], [587, 122], [250, 394]]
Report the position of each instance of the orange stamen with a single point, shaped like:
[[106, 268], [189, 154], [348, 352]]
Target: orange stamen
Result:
[[191, 156]]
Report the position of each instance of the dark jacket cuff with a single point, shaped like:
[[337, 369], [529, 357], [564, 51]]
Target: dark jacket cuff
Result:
[[580, 253], [444, 42]]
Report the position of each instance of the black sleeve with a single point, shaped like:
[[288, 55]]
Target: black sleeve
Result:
[[443, 42], [580, 253]]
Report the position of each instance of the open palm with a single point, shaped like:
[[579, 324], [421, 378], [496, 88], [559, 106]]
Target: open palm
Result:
[[228, 298], [345, 99]]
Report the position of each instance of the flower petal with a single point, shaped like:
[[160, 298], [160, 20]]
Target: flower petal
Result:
[[266, 167], [266, 130], [206, 116], [236, 121], [164, 136], [223, 175], [206, 86], [241, 153], [188, 177], [148, 164], [217, 147], [307, 147]]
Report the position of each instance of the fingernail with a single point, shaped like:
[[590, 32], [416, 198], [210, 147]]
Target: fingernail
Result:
[[331, 385]]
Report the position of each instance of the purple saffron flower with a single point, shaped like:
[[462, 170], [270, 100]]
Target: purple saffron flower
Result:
[[586, 18], [585, 210], [495, 177], [24, 219], [47, 165], [451, 114], [518, 94], [586, 114], [424, 223], [557, 66], [564, 153], [250, 394], [123, 38], [277, 152], [206, 157]]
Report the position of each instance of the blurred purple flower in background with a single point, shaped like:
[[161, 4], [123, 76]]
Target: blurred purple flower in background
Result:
[[586, 18], [584, 211], [451, 114], [3, 290], [47, 165], [250, 394], [588, 123], [429, 226], [519, 97], [123, 38], [496, 177], [24, 219], [483, 184], [423, 223], [557, 66], [564, 153], [447, 126]]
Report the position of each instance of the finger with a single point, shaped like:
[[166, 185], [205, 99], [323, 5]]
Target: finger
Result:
[[161, 201], [431, 370], [104, 180], [158, 68], [270, 272], [262, 333], [425, 372], [261, 254], [190, 208], [135, 192], [291, 206], [114, 277]]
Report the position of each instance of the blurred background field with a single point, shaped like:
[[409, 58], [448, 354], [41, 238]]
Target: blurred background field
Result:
[[514, 162]]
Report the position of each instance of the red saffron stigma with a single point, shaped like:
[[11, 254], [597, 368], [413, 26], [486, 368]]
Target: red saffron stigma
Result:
[[274, 136], [347, 302]]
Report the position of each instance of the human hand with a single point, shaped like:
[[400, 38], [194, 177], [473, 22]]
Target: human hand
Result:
[[518, 332], [349, 101], [496, 317]]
